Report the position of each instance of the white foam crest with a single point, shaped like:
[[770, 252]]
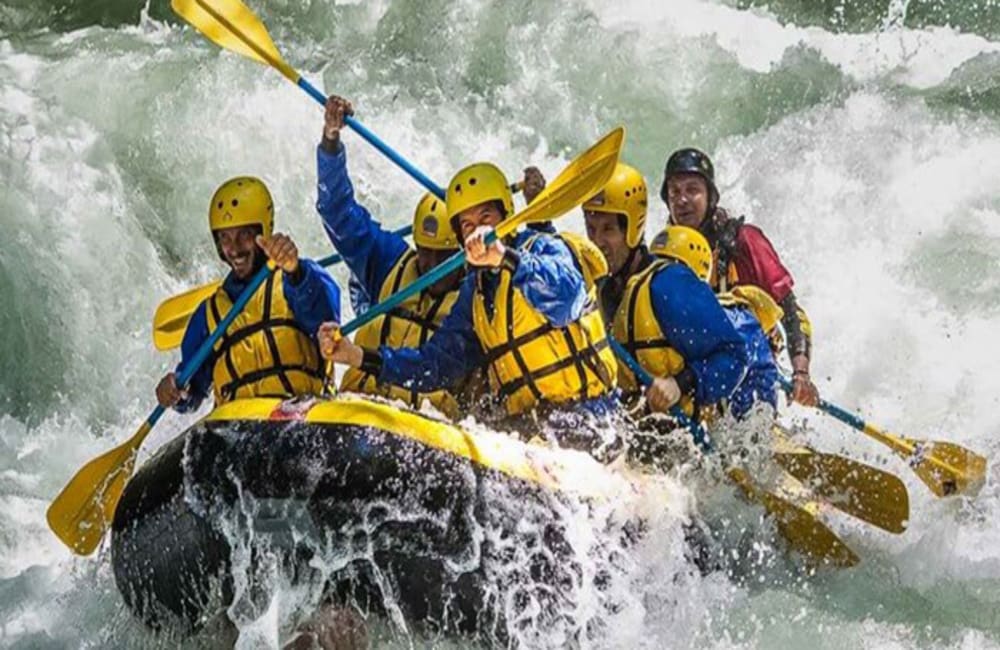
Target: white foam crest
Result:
[[920, 58], [864, 199], [870, 217]]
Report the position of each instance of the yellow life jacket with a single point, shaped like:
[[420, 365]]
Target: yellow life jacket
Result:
[[767, 312], [722, 281], [763, 306], [530, 360], [727, 280], [264, 352], [637, 329], [590, 261], [408, 325]]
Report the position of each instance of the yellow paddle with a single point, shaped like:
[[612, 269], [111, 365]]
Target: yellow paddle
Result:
[[171, 318], [797, 518], [795, 513], [80, 515], [946, 468], [861, 491], [230, 24]]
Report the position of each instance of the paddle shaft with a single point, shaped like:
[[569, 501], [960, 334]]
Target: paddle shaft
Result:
[[846, 417], [854, 421], [205, 349], [336, 258], [903, 447], [376, 142], [418, 285], [424, 281], [293, 76], [646, 379]]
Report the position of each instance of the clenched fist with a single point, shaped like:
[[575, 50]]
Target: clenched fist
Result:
[[337, 348], [282, 251]]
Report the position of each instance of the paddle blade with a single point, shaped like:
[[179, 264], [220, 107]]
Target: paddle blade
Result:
[[580, 180], [866, 493], [82, 512], [232, 25], [948, 469], [796, 517], [171, 318]]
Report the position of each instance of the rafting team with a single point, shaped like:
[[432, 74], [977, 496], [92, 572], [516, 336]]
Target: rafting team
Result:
[[519, 337]]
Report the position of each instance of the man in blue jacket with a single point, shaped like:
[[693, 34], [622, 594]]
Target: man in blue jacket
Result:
[[270, 348], [750, 310], [523, 312], [382, 263], [664, 317]]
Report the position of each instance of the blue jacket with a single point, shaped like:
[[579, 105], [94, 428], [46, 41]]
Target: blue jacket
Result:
[[550, 282], [692, 320], [368, 250], [762, 371], [315, 299]]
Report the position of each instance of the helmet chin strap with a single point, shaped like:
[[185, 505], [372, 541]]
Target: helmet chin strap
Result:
[[623, 272], [259, 258]]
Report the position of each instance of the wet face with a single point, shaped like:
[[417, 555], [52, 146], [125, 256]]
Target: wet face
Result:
[[687, 199], [484, 214], [427, 259], [239, 249], [605, 230]]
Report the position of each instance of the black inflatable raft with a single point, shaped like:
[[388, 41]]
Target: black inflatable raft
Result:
[[382, 507]]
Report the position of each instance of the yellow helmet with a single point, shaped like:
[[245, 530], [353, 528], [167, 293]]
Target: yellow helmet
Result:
[[430, 225], [624, 194], [686, 245], [475, 184], [242, 201]]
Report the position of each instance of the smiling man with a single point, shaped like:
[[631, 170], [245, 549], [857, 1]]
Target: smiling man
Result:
[[524, 313], [743, 254], [663, 316], [616, 223], [270, 348]]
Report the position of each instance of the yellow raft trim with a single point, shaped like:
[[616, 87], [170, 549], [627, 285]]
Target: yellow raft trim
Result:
[[555, 469]]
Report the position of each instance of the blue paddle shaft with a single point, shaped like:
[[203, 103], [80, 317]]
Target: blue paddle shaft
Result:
[[205, 349], [848, 418], [697, 432], [376, 142], [418, 285], [199, 357]]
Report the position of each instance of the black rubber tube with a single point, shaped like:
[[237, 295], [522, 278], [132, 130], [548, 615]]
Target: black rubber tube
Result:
[[413, 507]]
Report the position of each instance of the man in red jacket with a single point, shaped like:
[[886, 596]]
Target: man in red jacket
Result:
[[743, 254]]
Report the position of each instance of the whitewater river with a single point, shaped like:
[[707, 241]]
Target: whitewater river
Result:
[[864, 137]]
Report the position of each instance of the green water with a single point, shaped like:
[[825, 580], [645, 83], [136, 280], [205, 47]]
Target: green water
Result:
[[864, 137]]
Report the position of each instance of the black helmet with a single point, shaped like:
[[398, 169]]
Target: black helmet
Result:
[[691, 161]]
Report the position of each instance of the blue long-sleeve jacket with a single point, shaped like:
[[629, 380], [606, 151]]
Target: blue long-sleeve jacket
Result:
[[315, 299], [692, 320], [550, 282], [368, 250], [761, 377]]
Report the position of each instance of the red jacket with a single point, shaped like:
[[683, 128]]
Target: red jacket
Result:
[[757, 263]]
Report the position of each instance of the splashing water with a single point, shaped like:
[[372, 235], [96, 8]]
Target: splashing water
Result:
[[864, 138]]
